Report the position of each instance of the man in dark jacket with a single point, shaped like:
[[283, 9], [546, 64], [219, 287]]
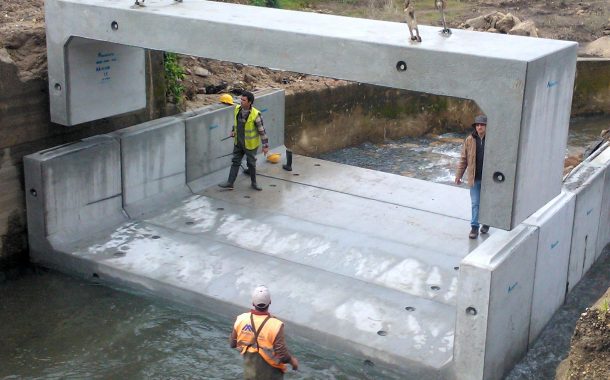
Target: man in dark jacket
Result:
[[471, 160]]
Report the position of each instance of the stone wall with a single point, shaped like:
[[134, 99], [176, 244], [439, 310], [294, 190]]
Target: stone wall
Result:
[[25, 128], [323, 121], [592, 87]]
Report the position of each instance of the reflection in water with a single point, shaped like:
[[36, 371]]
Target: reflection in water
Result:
[[54, 326]]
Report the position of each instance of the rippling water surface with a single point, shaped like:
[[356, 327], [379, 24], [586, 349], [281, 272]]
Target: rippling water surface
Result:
[[53, 326], [433, 158]]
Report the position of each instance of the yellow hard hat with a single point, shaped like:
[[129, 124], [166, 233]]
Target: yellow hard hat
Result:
[[274, 158], [226, 99]]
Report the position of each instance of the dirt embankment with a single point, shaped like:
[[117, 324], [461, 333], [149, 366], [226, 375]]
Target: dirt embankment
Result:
[[569, 20], [589, 356], [22, 35]]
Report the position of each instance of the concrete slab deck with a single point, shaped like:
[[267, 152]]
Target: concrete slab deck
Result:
[[349, 252]]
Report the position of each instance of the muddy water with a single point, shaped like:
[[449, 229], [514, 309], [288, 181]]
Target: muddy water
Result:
[[53, 326]]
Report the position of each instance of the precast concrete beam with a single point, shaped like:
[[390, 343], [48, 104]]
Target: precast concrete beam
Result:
[[523, 84]]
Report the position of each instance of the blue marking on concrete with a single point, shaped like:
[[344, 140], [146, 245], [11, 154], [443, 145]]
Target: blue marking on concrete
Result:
[[213, 126], [553, 245], [589, 212], [552, 83], [511, 287], [263, 110]]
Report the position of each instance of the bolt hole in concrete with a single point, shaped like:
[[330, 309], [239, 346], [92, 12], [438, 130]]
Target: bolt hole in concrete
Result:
[[272, 185], [471, 310], [222, 208], [114, 25], [456, 268], [317, 165], [247, 196], [57, 87], [382, 333], [119, 254], [190, 223], [498, 177], [33, 192], [435, 288], [295, 174], [156, 237], [369, 363], [401, 66], [95, 275], [409, 308]]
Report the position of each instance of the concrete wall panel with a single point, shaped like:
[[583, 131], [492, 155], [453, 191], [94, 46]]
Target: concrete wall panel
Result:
[[603, 234], [554, 222], [586, 184], [493, 304], [77, 188], [204, 150], [207, 126], [152, 162]]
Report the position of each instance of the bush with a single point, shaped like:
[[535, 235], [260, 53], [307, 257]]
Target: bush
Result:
[[174, 74]]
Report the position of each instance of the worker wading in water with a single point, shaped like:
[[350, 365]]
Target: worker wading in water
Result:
[[248, 133], [259, 337]]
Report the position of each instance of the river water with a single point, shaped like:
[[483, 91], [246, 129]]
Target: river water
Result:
[[54, 326]]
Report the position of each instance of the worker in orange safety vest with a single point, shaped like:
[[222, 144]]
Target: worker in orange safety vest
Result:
[[259, 337]]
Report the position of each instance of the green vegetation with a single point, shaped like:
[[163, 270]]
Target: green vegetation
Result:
[[603, 310], [266, 3], [174, 74], [389, 10]]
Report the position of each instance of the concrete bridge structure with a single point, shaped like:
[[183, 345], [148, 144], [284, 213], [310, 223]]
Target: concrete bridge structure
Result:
[[363, 261], [369, 262]]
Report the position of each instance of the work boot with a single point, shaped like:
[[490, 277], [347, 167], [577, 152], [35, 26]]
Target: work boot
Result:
[[288, 165], [252, 170], [484, 229], [231, 180], [474, 232]]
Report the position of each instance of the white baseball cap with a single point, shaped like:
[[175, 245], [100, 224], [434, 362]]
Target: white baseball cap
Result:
[[261, 297]]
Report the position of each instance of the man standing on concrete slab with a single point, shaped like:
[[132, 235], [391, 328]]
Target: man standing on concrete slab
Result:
[[248, 133], [259, 337], [471, 160]]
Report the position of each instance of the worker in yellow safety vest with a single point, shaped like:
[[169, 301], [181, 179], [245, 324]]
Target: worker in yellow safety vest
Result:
[[248, 133], [259, 337]]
